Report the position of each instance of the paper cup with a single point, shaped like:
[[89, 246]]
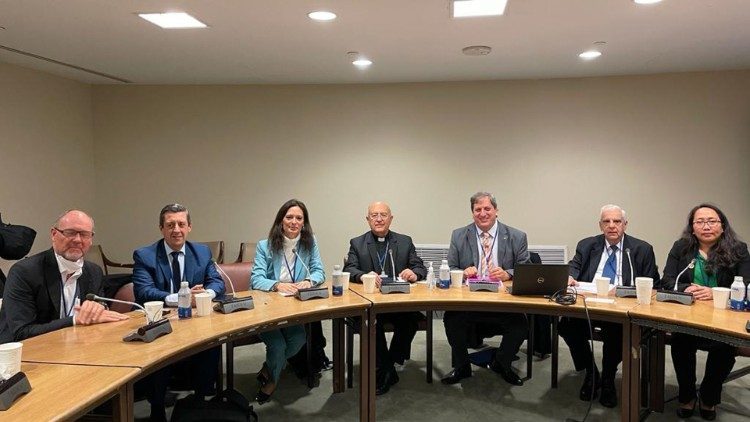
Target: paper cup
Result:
[[153, 310], [457, 278], [346, 280], [203, 304], [368, 280], [10, 359], [643, 290], [721, 297], [602, 286]]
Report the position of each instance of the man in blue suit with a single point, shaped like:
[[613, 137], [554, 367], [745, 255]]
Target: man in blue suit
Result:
[[157, 272]]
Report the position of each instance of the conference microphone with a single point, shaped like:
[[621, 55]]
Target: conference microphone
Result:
[[147, 333], [394, 286], [675, 296], [393, 265], [627, 291], [227, 305], [96, 298], [294, 251]]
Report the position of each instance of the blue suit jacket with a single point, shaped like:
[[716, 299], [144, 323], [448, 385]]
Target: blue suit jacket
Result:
[[152, 273], [267, 267]]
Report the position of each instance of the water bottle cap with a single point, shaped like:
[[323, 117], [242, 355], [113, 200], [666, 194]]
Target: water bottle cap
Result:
[[183, 284], [445, 261], [336, 267], [738, 278]]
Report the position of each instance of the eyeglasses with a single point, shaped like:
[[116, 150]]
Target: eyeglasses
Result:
[[375, 215], [71, 234], [709, 223], [608, 222]]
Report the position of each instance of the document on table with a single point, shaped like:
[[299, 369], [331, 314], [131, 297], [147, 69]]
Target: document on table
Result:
[[584, 287]]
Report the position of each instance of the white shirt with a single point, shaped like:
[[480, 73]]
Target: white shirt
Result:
[[289, 245], [68, 298], [493, 232], [605, 255]]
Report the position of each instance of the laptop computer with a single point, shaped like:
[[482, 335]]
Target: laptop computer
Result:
[[539, 279]]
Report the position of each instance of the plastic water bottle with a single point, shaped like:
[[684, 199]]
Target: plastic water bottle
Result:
[[445, 275], [430, 276], [183, 301], [737, 297], [747, 298], [338, 281]]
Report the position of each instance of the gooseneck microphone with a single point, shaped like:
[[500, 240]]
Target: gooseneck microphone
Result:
[[690, 265], [393, 265], [227, 305], [623, 290], [231, 283], [294, 251], [630, 262], [96, 298]]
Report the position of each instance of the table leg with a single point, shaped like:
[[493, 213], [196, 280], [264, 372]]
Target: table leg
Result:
[[554, 357], [366, 369], [122, 404], [631, 374], [656, 380], [429, 346], [338, 355]]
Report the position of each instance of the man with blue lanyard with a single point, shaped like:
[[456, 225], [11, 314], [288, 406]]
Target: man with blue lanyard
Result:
[[386, 254], [485, 249], [606, 255], [158, 270], [47, 291]]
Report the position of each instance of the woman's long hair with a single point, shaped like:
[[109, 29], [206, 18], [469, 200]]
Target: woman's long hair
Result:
[[725, 253], [276, 234]]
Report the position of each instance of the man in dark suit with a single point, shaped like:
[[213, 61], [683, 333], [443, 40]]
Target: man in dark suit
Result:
[[371, 253], [606, 255], [47, 291], [490, 249], [158, 270]]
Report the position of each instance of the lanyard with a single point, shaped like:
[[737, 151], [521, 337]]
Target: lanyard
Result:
[[488, 258], [381, 261], [291, 268], [67, 309]]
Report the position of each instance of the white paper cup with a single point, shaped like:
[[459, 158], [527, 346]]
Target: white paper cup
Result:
[[203, 304], [721, 297], [10, 359], [368, 280], [602, 286], [643, 290], [457, 278], [153, 310], [346, 281]]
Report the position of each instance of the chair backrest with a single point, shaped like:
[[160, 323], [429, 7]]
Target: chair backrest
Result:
[[247, 252], [535, 258], [124, 293], [217, 250], [239, 273], [96, 256]]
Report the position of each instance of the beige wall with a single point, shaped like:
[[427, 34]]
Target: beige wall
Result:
[[553, 151], [46, 149]]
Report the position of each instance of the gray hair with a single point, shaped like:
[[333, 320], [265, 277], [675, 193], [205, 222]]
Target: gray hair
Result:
[[610, 207], [172, 208], [479, 195]]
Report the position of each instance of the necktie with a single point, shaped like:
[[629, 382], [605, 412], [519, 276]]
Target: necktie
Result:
[[610, 267], [176, 276], [487, 257]]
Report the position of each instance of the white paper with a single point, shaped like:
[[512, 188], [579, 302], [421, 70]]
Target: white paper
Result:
[[584, 287], [286, 294], [599, 300]]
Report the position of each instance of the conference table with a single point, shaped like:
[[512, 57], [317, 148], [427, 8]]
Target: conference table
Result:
[[101, 346], [700, 319], [421, 298]]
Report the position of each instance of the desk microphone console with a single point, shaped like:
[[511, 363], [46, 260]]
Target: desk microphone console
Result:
[[675, 297], [312, 293]]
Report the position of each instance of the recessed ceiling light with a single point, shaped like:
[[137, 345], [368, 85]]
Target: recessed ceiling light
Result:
[[321, 15], [590, 54], [362, 62], [471, 8], [647, 1], [173, 20]]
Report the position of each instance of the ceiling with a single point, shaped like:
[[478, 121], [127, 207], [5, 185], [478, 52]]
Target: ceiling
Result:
[[273, 41]]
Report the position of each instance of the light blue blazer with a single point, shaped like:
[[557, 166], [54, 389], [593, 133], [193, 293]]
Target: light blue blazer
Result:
[[267, 266]]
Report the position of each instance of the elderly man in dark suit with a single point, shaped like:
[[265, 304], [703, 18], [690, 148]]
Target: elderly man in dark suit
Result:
[[606, 255], [47, 291], [371, 253], [486, 248]]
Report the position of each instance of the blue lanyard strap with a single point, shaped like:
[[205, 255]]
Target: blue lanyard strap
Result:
[[67, 309], [381, 261], [292, 268]]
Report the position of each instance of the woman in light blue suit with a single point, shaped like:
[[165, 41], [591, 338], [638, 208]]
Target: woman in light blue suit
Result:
[[287, 261]]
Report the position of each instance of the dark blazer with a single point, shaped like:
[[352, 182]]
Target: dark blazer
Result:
[[31, 305], [152, 273], [512, 248], [363, 256], [589, 253], [678, 259]]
